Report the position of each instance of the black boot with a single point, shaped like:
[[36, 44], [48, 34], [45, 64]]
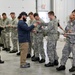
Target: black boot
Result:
[[72, 69], [4, 49], [49, 65], [8, 49], [73, 74], [1, 62], [33, 56], [42, 61], [18, 54], [13, 51], [56, 63], [1, 45], [35, 59], [61, 68], [28, 56]]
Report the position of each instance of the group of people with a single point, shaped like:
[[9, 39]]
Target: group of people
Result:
[[34, 38], [30, 37], [36, 31], [6, 26]]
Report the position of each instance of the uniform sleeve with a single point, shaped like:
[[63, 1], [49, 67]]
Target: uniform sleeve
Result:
[[67, 28], [25, 27], [50, 26], [15, 22], [44, 24]]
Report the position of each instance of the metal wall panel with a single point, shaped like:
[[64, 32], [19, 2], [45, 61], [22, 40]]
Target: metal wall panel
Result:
[[63, 9], [17, 6]]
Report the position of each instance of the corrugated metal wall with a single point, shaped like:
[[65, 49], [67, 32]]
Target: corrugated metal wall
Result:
[[63, 9]]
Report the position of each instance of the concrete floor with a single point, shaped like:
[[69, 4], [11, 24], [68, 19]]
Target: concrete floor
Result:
[[11, 65]]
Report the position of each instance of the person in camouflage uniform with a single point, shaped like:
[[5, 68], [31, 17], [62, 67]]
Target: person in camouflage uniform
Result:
[[14, 37], [5, 32], [69, 46], [38, 40], [1, 44], [31, 22], [0, 20], [1, 62], [52, 40]]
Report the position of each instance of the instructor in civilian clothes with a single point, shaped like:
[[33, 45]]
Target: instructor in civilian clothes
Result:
[[24, 38]]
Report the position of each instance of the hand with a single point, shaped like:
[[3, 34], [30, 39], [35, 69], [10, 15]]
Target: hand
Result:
[[69, 31], [42, 27], [63, 30], [34, 31], [65, 35], [3, 26], [35, 24], [38, 22], [9, 26]]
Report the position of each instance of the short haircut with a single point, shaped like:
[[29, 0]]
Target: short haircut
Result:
[[73, 11], [36, 14], [3, 14], [31, 13], [51, 13], [12, 13]]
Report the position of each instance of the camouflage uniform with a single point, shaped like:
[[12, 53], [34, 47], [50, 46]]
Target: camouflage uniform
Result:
[[52, 40], [0, 21], [38, 40], [5, 33], [0, 35], [70, 44], [0, 40], [14, 34], [31, 22]]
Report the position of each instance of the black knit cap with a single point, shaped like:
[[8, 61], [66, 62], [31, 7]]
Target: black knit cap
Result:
[[23, 13]]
